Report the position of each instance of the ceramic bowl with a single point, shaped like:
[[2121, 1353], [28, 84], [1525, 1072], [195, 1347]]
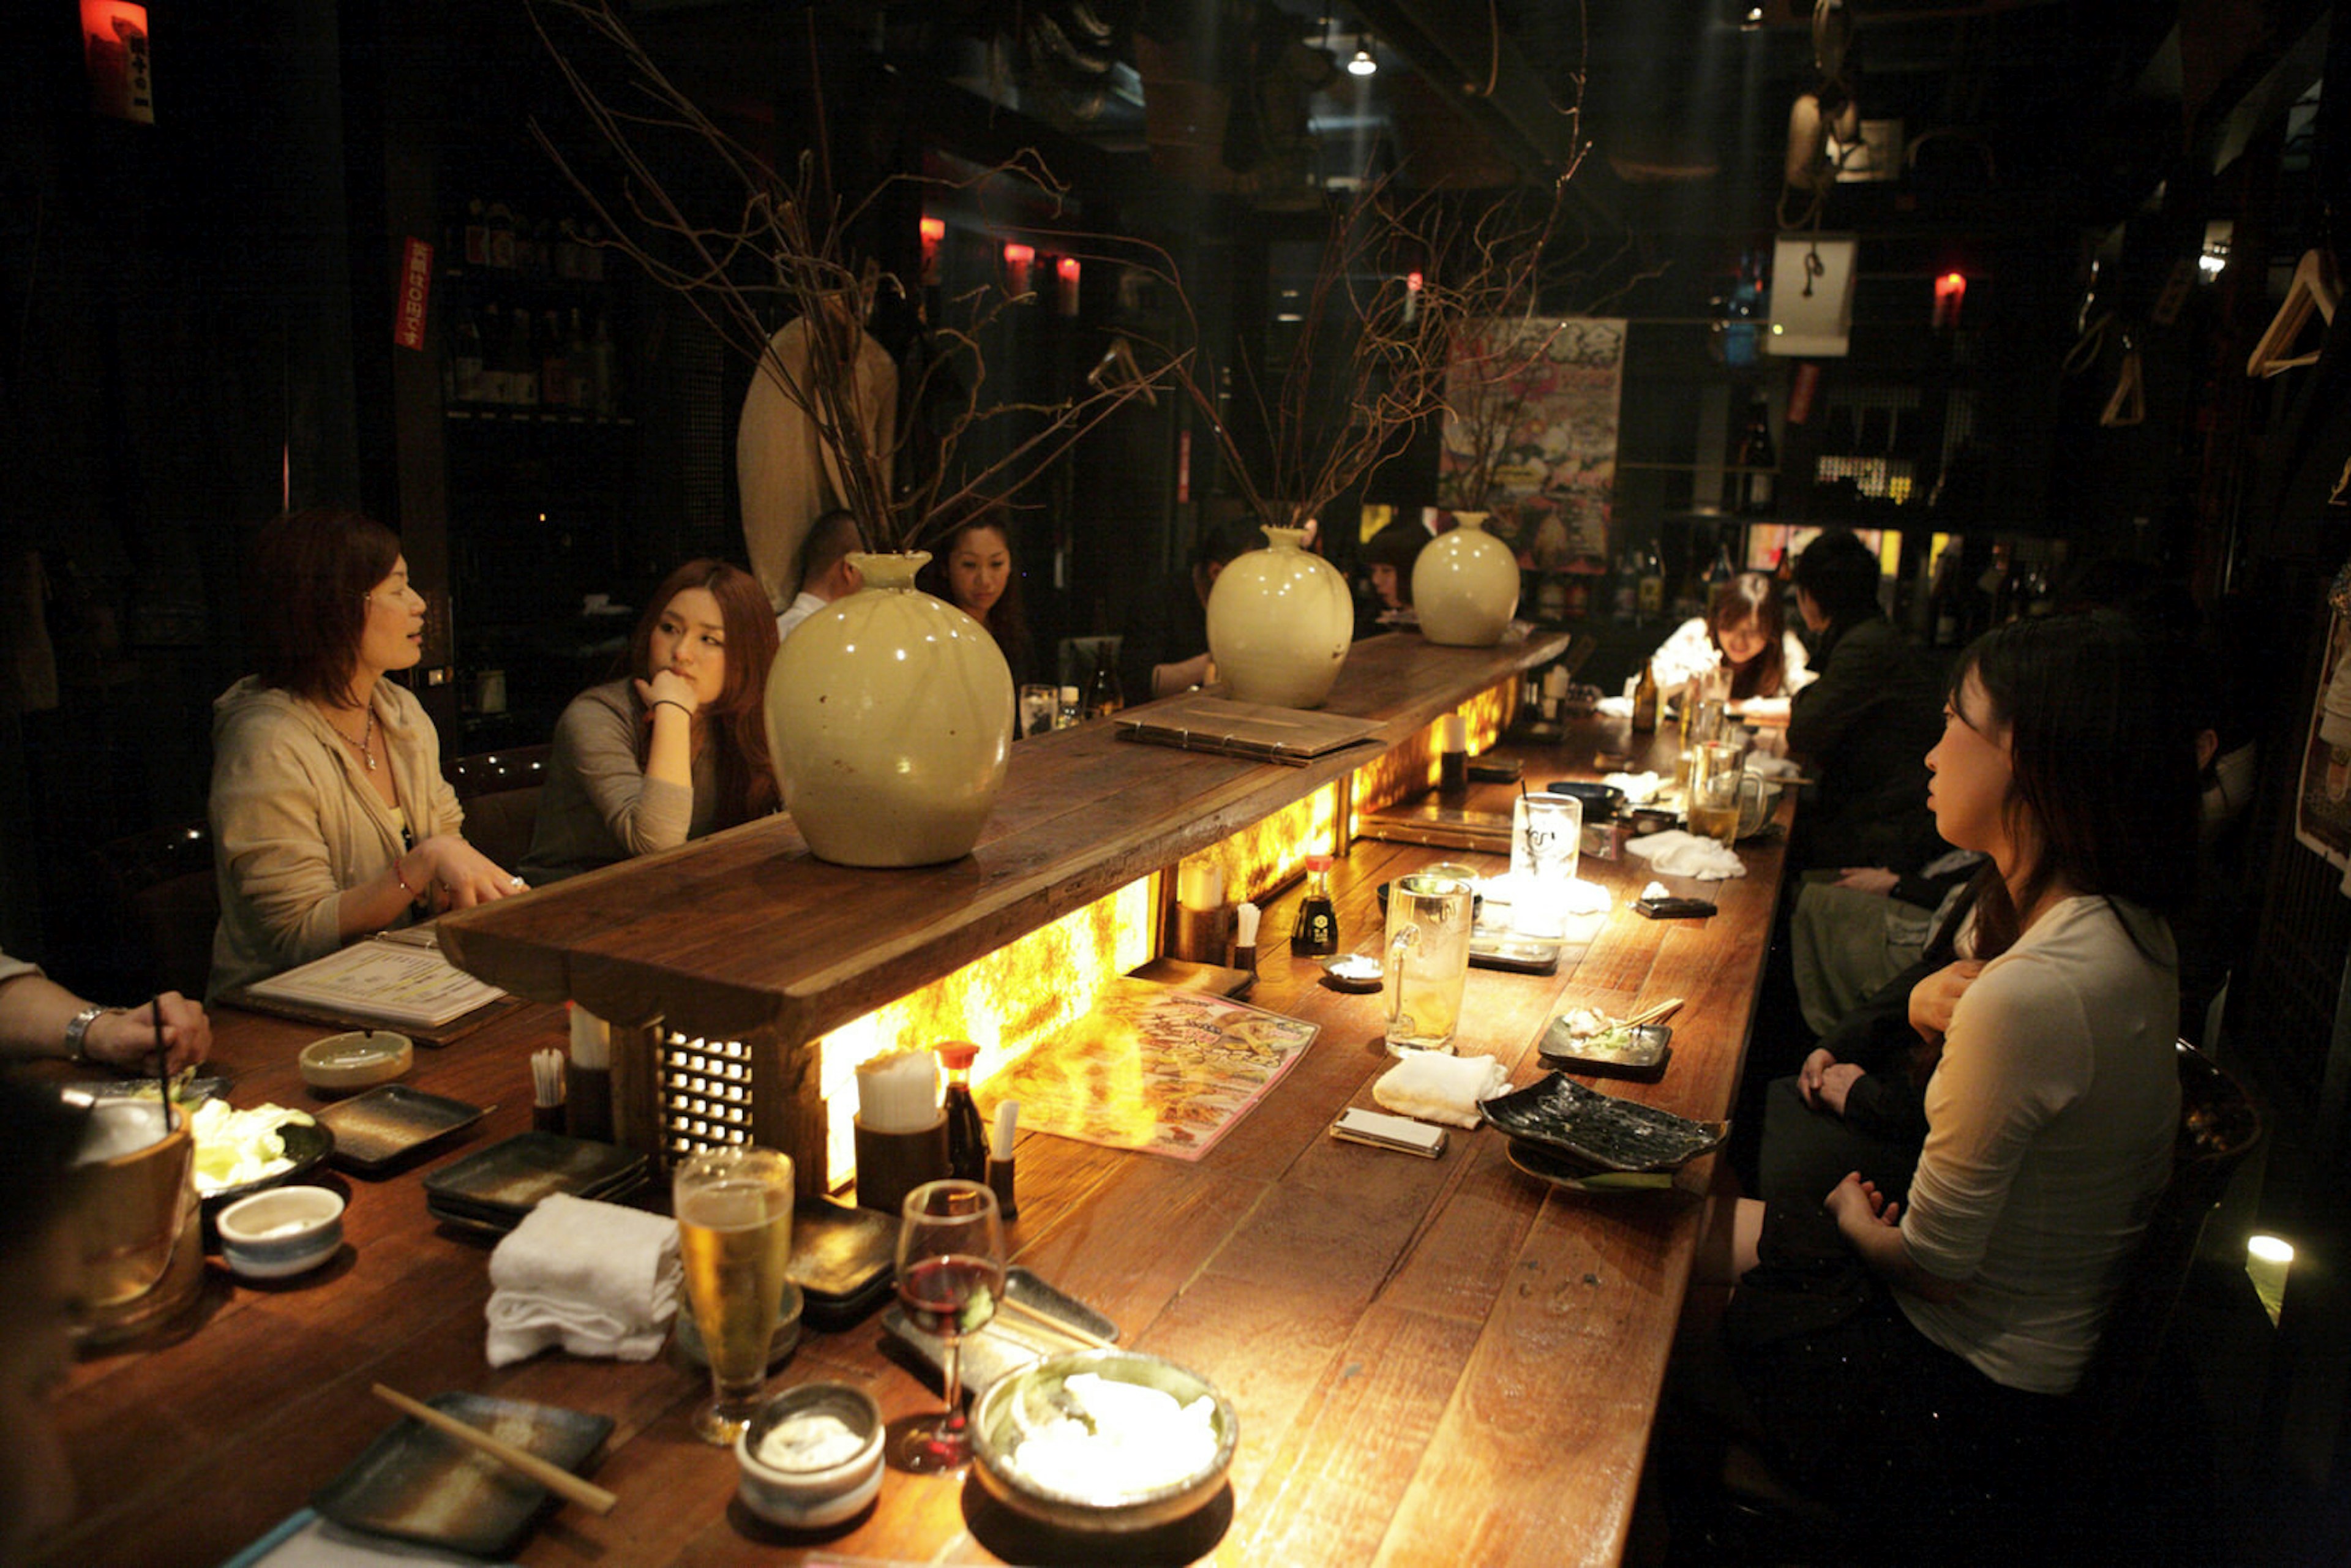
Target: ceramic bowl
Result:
[[812, 1496], [284, 1232], [359, 1060], [1017, 1403]]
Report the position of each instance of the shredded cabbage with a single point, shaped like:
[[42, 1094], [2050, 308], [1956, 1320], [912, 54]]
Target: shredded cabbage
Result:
[[234, 1147]]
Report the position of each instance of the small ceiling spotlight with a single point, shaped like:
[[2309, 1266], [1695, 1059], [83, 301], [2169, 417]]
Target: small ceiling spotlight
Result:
[[1751, 18], [1362, 64]]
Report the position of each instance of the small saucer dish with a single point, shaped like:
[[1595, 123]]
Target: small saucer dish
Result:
[[281, 1232], [359, 1060], [812, 1457]]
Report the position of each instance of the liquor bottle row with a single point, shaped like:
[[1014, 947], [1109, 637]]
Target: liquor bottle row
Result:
[[496, 236], [508, 357]]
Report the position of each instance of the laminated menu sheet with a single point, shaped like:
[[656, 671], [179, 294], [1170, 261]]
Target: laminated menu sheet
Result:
[[396, 977], [1152, 1067]]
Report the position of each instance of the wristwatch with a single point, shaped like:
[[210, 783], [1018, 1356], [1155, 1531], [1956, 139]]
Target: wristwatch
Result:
[[78, 1028]]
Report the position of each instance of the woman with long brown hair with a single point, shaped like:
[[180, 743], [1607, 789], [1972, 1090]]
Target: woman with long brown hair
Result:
[[673, 751], [1744, 633], [331, 817]]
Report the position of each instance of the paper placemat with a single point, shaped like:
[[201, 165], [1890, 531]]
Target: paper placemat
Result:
[[1163, 1070]]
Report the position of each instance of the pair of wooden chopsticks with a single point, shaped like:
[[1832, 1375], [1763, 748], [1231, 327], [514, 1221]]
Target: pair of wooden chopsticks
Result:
[[1657, 1014], [554, 1478], [1046, 1319]]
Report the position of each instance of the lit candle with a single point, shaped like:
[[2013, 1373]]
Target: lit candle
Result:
[[1066, 271]]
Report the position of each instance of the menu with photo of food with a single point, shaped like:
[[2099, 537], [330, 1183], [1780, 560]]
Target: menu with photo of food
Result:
[[1165, 1070]]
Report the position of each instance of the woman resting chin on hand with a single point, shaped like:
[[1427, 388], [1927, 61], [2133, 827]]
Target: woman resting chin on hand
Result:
[[330, 819], [677, 748]]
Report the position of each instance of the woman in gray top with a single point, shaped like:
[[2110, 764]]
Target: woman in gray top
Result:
[[678, 749]]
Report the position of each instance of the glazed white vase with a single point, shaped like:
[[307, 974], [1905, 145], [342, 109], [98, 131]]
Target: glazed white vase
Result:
[[1280, 621], [1464, 586], [890, 719]]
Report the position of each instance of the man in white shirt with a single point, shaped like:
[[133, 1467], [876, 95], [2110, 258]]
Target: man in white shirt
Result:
[[826, 571]]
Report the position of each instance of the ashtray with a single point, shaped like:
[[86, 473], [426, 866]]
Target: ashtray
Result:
[[359, 1060], [1351, 972]]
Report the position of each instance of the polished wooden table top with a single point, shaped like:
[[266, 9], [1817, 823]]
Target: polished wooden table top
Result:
[[1434, 1360]]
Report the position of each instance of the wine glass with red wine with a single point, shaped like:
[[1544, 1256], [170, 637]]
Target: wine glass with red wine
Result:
[[950, 1277]]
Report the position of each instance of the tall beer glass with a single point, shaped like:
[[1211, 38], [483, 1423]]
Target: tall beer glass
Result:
[[734, 1207]]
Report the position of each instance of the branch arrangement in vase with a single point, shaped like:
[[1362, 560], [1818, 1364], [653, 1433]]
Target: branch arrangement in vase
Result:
[[778, 246]]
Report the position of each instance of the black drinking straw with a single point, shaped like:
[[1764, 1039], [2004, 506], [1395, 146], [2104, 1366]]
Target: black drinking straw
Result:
[[162, 1062]]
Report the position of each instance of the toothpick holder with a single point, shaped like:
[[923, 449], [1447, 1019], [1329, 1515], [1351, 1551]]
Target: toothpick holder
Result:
[[892, 1164]]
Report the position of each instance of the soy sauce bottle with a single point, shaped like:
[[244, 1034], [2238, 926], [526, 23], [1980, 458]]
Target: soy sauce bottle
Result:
[[967, 1137], [1316, 934]]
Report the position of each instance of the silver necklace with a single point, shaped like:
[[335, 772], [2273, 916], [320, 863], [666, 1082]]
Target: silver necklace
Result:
[[365, 745]]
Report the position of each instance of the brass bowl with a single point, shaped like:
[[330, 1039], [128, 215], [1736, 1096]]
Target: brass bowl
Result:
[[1017, 1402]]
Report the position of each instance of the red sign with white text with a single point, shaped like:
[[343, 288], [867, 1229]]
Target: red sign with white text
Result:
[[415, 294]]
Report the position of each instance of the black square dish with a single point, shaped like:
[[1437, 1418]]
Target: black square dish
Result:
[[376, 1131], [1601, 1130], [417, 1484], [510, 1177]]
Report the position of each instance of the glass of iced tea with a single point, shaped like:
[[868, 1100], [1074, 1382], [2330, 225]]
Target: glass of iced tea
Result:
[[950, 1277], [733, 1207]]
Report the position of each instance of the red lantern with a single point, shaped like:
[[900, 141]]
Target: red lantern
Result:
[[934, 231], [1066, 271], [1016, 257], [114, 53], [1950, 293]]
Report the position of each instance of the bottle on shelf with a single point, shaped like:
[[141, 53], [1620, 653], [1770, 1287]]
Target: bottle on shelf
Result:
[[554, 368], [522, 369], [497, 366], [1644, 701], [1316, 934], [1722, 568], [1624, 595], [966, 1134], [465, 359], [1649, 592]]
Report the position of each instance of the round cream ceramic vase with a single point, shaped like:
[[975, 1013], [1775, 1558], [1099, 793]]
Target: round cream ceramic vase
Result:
[[1280, 621], [890, 719], [1464, 586]]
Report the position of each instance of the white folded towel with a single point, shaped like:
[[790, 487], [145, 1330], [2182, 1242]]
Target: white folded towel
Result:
[[1764, 767], [1676, 854], [1440, 1088], [594, 1277]]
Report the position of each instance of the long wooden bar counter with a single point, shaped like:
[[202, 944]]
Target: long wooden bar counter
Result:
[[1434, 1360]]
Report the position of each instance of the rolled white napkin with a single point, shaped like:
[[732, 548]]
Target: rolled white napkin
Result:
[[1765, 766], [1676, 854], [1640, 789], [1440, 1088], [594, 1277]]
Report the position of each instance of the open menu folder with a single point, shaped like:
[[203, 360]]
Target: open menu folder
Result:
[[395, 978], [1201, 723]]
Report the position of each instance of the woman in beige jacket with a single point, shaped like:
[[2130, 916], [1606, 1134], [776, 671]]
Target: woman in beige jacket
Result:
[[330, 819]]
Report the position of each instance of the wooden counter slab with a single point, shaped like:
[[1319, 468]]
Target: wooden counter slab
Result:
[[1436, 1362], [745, 932]]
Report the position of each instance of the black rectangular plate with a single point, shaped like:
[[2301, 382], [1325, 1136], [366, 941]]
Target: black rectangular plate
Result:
[[1602, 1130], [1011, 1341], [376, 1130], [416, 1484], [513, 1174]]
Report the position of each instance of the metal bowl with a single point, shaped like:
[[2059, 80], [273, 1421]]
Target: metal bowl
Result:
[[1015, 1403]]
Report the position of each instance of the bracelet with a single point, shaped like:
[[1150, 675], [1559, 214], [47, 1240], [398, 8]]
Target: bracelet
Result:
[[78, 1031], [413, 894], [670, 702]]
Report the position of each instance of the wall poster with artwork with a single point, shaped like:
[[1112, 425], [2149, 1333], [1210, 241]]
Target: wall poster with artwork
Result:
[[1531, 433]]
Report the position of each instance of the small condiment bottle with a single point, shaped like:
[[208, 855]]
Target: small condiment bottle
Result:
[[967, 1135], [1316, 934], [1453, 759]]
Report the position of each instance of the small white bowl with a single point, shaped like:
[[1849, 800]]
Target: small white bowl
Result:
[[812, 1498], [359, 1060], [284, 1232]]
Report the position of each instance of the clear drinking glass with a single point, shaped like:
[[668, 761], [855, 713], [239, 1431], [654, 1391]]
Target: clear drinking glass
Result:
[[1038, 706], [950, 1277], [1427, 960], [1721, 788], [1546, 846], [733, 1207]]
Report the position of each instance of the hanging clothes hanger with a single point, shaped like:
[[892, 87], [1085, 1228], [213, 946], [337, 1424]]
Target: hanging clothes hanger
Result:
[[2314, 287], [2128, 403]]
